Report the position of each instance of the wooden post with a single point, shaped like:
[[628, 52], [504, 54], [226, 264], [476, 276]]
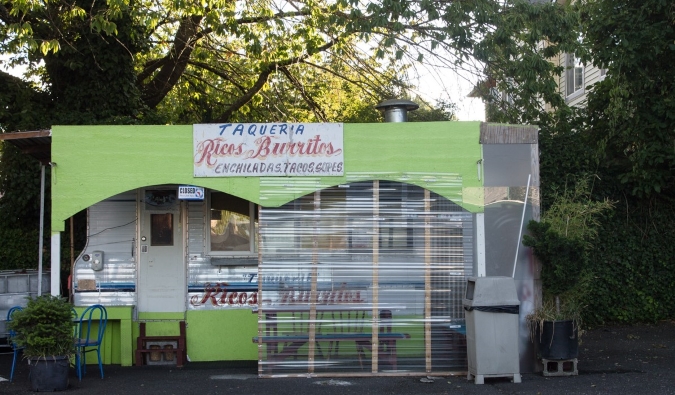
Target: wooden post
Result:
[[260, 298], [313, 293], [376, 260], [427, 278]]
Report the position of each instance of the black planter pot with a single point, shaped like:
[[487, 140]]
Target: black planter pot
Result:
[[49, 374], [558, 340]]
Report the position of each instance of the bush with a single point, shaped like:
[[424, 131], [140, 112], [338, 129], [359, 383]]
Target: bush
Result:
[[44, 327]]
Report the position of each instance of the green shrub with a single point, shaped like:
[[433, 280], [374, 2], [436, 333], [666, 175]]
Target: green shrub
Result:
[[44, 327]]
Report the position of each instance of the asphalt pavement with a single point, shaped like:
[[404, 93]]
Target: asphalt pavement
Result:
[[636, 359]]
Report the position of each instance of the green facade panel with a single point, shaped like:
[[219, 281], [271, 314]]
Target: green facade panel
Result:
[[96, 162]]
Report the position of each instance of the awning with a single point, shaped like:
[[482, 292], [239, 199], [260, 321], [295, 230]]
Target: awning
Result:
[[37, 144]]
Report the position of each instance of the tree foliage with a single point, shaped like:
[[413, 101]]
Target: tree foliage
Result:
[[122, 62], [521, 81], [624, 133], [631, 113], [567, 232], [625, 130]]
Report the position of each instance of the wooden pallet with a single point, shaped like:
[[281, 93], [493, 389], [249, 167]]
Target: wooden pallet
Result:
[[143, 347]]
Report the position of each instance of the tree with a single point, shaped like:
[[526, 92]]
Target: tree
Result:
[[227, 53], [624, 134], [521, 82], [626, 130], [631, 113], [114, 62], [122, 62]]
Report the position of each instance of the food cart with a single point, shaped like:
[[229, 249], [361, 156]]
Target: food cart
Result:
[[313, 249]]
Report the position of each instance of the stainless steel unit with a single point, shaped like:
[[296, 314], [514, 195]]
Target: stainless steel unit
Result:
[[15, 289], [492, 306]]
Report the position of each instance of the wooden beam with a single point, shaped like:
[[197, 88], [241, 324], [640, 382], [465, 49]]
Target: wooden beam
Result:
[[25, 135]]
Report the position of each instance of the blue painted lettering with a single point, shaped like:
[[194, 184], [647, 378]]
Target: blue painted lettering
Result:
[[239, 128], [223, 127]]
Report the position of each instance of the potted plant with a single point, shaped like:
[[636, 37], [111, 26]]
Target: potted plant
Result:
[[561, 242], [45, 329]]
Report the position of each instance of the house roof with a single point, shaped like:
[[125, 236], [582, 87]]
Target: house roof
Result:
[[34, 143]]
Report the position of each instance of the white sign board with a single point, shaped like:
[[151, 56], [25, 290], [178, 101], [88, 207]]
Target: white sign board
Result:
[[268, 149], [189, 192]]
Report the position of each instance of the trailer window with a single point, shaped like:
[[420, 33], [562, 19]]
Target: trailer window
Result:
[[161, 229], [232, 225]]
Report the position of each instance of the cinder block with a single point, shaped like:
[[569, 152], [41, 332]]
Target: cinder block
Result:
[[159, 354], [560, 367]]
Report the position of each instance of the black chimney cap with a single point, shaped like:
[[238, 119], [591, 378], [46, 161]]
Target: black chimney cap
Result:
[[398, 103]]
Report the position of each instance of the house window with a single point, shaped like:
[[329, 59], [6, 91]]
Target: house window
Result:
[[574, 74], [233, 224]]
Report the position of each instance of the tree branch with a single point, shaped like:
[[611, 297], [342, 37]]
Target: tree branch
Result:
[[272, 17], [314, 106], [150, 68], [246, 97], [219, 73], [5, 15], [175, 63], [262, 80]]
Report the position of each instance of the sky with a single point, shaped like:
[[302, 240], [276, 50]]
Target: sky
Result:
[[470, 109], [442, 83]]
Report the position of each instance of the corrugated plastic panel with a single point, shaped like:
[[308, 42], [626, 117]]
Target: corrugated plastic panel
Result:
[[367, 263]]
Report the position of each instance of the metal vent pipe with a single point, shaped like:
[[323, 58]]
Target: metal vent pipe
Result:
[[396, 110]]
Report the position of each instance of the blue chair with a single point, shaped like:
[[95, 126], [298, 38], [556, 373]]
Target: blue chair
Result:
[[90, 340], [12, 335], [76, 321]]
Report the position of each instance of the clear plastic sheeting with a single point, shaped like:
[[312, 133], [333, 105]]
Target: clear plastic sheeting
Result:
[[363, 278]]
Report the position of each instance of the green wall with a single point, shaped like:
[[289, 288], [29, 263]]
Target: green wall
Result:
[[222, 336], [96, 162], [119, 336], [211, 335]]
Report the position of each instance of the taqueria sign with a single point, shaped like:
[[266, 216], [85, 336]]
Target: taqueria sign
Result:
[[268, 149]]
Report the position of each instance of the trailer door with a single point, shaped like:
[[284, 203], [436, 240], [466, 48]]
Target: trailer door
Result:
[[161, 272]]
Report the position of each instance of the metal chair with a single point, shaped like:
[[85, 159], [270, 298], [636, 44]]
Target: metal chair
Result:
[[88, 340], [10, 340]]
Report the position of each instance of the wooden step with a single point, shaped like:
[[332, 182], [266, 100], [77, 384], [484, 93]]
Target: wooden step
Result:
[[180, 350]]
